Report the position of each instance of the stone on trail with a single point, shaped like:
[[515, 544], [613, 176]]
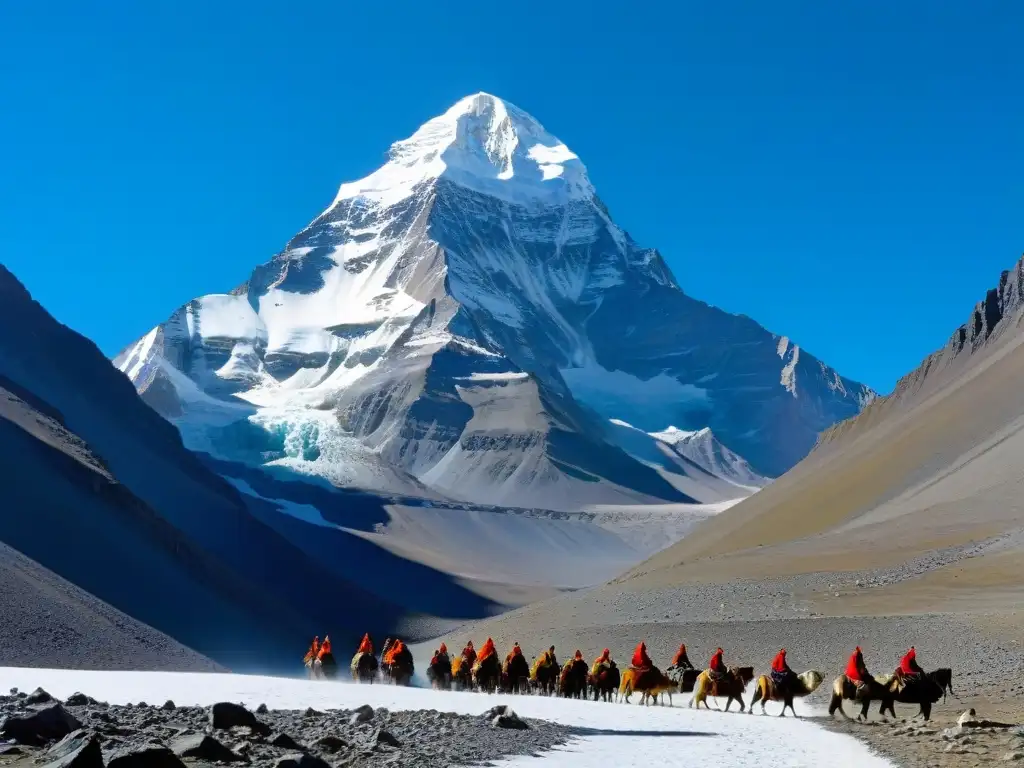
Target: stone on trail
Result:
[[284, 741], [380, 736], [77, 700], [363, 714], [262, 709], [226, 715], [301, 760], [168, 706], [80, 749], [48, 723], [203, 747], [145, 756], [330, 743]]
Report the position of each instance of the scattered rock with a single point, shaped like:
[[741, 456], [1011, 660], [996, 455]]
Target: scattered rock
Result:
[[284, 741], [145, 756], [300, 760], [330, 743], [168, 706], [970, 716], [38, 696], [49, 723], [80, 749], [363, 714], [202, 746], [1013, 756], [310, 712], [380, 736], [14, 691], [262, 709], [225, 715], [10, 749], [77, 700], [509, 720]]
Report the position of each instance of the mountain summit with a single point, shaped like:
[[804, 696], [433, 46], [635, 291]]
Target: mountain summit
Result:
[[468, 322]]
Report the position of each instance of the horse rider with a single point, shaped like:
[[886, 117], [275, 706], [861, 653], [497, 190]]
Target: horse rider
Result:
[[516, 651], [487, 651], [366, 646], [604, 660], [325, 649], [857, 671], [716, 667], [314, 649], [442, 653], [640, 658], [781, 674], [469, 653], [550, 657], [909, 670], [681, 660]]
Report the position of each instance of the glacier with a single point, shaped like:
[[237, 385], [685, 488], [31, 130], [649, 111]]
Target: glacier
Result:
[[468, 323]]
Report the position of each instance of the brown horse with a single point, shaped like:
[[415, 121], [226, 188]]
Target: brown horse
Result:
[[650, 683], [605, 683], [804, 685], [364, 667], [845, 689], [572, 681], [487, 674], [515, 675], [731, 685], [462, 674], [544, 675]]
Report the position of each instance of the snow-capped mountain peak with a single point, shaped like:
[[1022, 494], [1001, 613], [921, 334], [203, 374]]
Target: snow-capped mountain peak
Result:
[[484, 144]]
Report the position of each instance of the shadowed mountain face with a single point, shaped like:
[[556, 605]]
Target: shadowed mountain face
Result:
[[932, 471], [99, 491], [466, 322]]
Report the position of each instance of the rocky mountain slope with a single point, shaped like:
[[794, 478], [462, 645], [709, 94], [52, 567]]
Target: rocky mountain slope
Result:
[[927, 479], [464, 323]]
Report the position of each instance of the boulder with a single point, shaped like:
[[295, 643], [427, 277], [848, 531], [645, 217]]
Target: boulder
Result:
[[38, 696], [204, 747], [226, 715], [77, 700], [145, 756], [262, 709], [80, 749], [301, 760], [330, 743], [381, 737], [39, 726], [168, 706], [505, 717]]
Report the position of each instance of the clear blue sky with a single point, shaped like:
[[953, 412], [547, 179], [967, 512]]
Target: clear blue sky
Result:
[[850, 174]]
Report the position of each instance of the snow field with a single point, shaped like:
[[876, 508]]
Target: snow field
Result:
[[610, 734]]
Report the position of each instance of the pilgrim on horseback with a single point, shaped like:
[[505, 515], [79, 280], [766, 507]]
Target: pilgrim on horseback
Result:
[[909, 671], [857, 671], [545, 672], [364, 664], [681, 661], [783, 678], [640, 658], [604, 660], [487, 669], [716, 667], [604, 677]]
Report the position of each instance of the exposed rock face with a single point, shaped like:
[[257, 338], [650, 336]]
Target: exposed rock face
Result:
[[466, 320]]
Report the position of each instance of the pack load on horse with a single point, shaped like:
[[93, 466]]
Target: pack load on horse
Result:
[[783, 684], [311, 656], [439, 673], [515, 672], [545, 672], [487, 669], [364, 663], [681, 670], [604, 677]]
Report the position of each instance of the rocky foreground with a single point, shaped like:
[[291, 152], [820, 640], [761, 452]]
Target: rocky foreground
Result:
[[37, 730]]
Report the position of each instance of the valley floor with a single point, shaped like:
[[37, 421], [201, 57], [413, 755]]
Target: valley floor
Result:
[[601, 734]]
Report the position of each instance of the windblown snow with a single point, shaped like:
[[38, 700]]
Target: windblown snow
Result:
[[609, 734], [467, 322]]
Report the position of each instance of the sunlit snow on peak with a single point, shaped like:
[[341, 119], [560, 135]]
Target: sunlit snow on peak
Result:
[[484, 144]]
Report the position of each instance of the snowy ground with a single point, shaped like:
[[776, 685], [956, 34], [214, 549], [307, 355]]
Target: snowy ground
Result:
[[610, 734]]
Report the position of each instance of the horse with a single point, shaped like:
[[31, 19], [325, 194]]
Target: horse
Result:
[[572, 680], [804, 685], [845, 689], [314, 669], [487, 673], [328, 666], [515, 675], [462, 674], [605, 682], [924, 691], [439, 673], [731, 685], [544, 675], [364, 667], [650, 682]]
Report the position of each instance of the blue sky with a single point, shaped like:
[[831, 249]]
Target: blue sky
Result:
[[848, 174]]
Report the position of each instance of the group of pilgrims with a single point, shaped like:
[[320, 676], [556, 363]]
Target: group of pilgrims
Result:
[[485, 671]]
